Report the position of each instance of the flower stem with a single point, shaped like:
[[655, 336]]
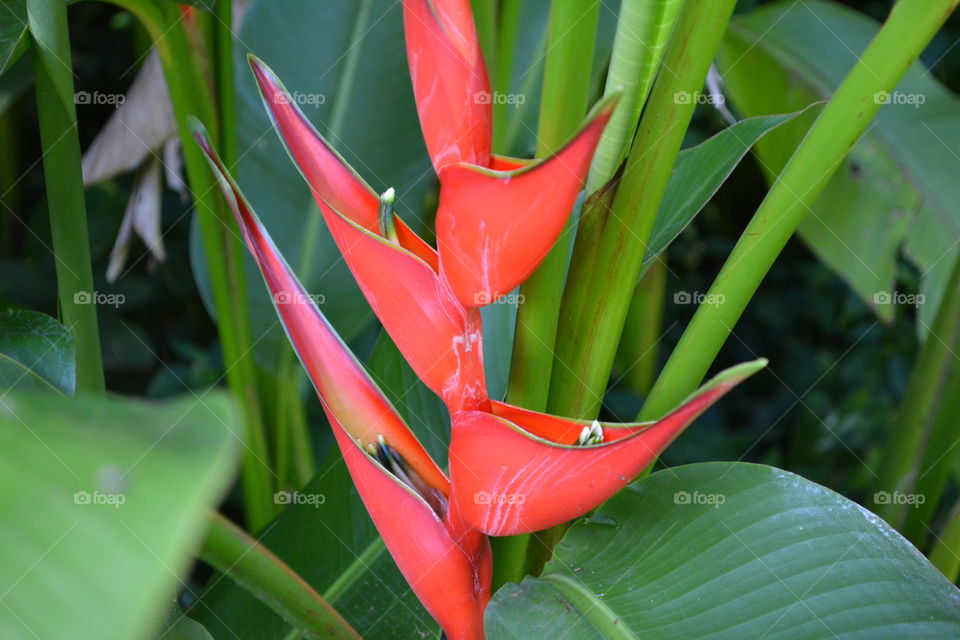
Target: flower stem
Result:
[[190, 95], [612, 239], [946, 552], [563, 104], [909, 28], [566, 85], [915, 431], [64, 184], [244, 560]]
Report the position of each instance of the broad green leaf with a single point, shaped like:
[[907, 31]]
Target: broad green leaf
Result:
[[345, 64], [331, 542], [13, 32], [106, 500], [722, 551], [700, 171], [36, 353], [898, 188]]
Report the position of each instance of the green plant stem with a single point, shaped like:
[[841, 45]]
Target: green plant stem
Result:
[[945, 555], [563, 104], [226, 102], [64, 184], [222, 244], [911, 441], [612, 240], [244, 560], [642, 329], [643, 30], [501, 68], [485, 19], [900, 40], [566, 85]]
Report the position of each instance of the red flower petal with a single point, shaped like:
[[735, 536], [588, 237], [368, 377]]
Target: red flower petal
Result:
[[449, 81], [451, 578], [494, 228], [340, 380], [507, 481], [332, 181], [440, 339], [561, 430], [450, 574]]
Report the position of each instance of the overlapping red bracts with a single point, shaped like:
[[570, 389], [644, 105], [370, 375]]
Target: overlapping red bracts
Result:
[[512, 470], [446, 564]]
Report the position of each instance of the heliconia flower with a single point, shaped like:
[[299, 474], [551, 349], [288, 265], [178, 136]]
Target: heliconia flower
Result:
[[407, 495], [516, 471]]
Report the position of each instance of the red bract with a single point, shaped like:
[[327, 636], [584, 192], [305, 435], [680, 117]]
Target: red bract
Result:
[[407, 495], [540, 477], [512, 470]]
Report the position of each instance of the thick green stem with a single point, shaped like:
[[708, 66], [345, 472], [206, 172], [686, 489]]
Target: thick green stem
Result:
[[912, 443], [244, 560], [906, 32], [226, 103], [563, 104], [946, 552], [612, 240], [222, 243], [643, 30], [566, 86], [638, 354], [64, 183], [501, 68]]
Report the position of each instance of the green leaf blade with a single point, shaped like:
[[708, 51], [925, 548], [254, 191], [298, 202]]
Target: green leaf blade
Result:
[[730, 550]]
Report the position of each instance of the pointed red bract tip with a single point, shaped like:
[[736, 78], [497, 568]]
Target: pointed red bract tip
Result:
[[532, 483], [328, 175], [449, 79], [494, 228], [332, 181], [340, 380]]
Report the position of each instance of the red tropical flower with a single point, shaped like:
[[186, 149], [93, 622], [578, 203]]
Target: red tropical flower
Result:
[[407, 495]]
